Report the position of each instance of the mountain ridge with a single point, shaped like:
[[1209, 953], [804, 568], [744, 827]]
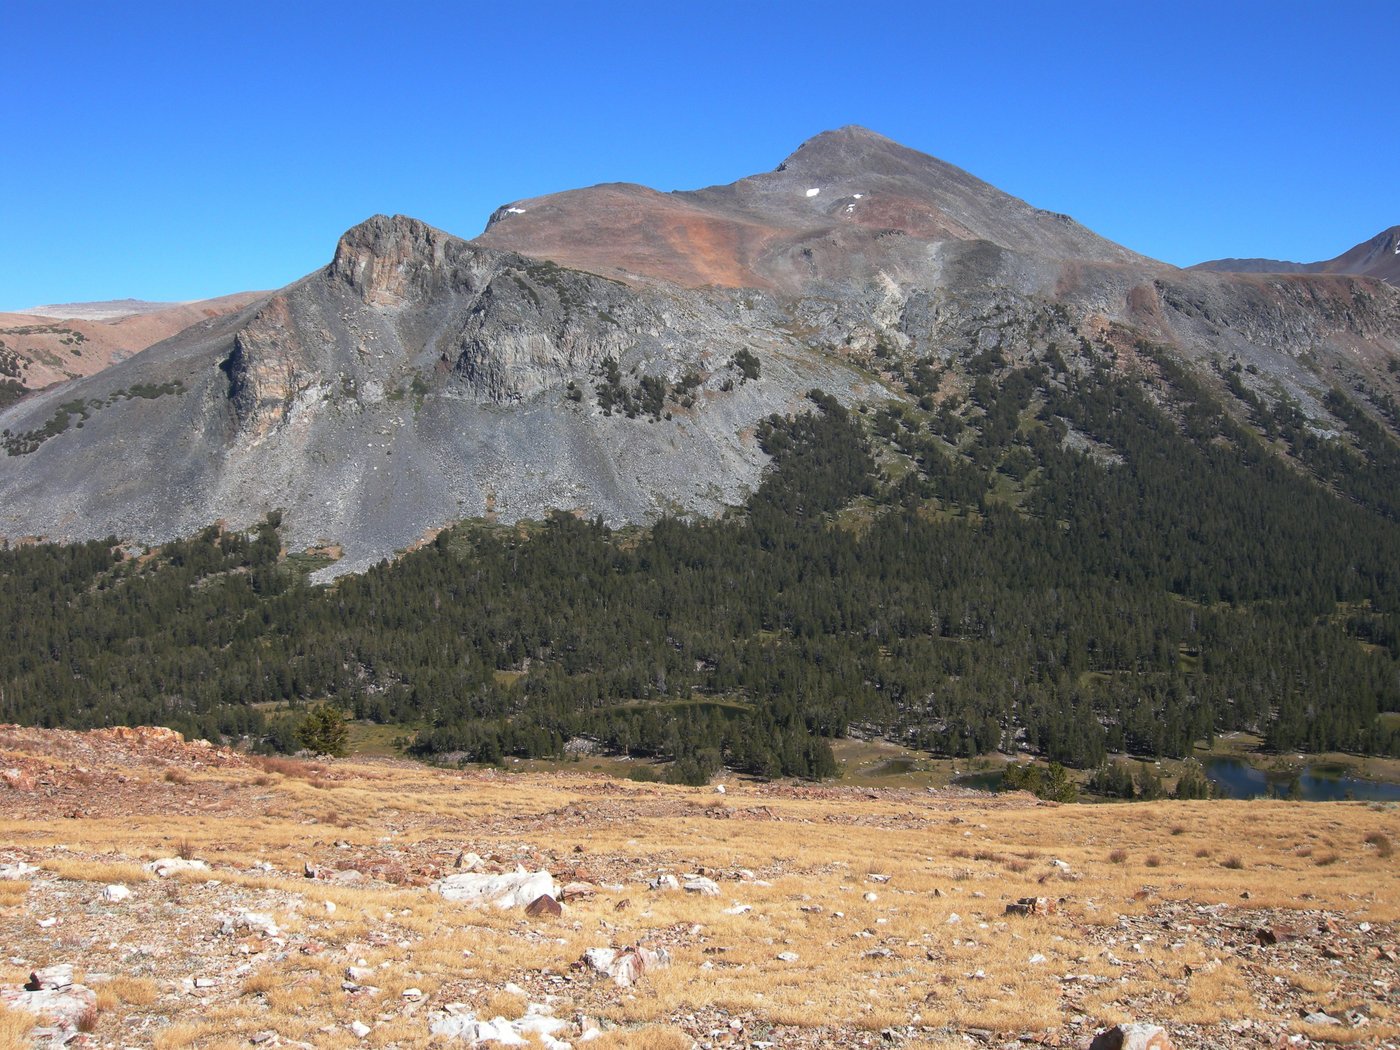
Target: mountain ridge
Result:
[[583, 353], [1377, 257]]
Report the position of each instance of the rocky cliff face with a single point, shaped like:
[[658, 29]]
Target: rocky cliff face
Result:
[[590, 352]]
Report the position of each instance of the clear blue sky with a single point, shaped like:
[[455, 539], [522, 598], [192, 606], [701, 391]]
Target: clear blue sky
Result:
[[178, 151]]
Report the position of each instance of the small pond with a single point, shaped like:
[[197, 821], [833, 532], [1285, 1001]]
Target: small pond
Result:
[[1317, 783], [989, 781]]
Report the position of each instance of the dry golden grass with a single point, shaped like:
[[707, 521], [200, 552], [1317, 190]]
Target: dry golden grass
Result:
[[15, 1027], [126, 991], [879, 963]]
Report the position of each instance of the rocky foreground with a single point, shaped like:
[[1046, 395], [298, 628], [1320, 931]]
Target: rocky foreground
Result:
[[155, 892]]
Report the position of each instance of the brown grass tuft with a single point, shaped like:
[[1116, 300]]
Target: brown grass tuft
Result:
[[1153, 861], [1118, 856], [15, 1026], [1381, 841], [1233, 863]]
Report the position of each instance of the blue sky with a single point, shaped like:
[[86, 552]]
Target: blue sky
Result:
[[179, 151]]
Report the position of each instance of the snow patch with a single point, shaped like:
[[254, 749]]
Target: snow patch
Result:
[[515, 211], [857, 196], [813, 192]]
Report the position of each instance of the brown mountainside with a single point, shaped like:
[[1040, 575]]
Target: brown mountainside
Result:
[[53, 344]]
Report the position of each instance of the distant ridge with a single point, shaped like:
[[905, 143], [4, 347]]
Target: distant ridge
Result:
[[1378, 257]]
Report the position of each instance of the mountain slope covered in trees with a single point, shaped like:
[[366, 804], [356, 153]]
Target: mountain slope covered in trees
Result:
[[1068, 557]]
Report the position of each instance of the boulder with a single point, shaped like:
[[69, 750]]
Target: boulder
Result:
[[115, 893], [543, 905], [51, 978], [627, 965], [17, 780], [62, 1013], [168, 866], [703, 886], [509, 890], [1133, 1037], [17, 870], [457, 1021]]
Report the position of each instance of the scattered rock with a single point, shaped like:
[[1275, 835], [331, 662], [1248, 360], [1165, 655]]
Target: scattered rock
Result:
[[1133, 1037], [249, 921], [115, 893], [1319, 1017], [577, 890], [1032, 906], [17, 780], [664, 882], [18, 870], [788, 957]]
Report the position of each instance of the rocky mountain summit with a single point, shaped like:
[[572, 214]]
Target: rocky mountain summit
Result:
[[610, 350]]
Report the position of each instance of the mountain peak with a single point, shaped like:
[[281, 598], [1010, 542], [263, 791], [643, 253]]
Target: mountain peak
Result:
[[850, 151], [382, 256]]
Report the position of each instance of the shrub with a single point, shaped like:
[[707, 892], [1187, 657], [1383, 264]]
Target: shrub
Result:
[[323, 731]]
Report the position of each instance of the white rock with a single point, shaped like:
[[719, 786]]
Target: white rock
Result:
[[168, 866], [512, 890], [664, 882], [59, 1010], [626, 967], [739, 909], [954, 918], [719, 789], [18, 870], [252, 921], [360, 1029], [115, 893], [872, 897], [703, 886], [788, 956], [459, 1022]]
